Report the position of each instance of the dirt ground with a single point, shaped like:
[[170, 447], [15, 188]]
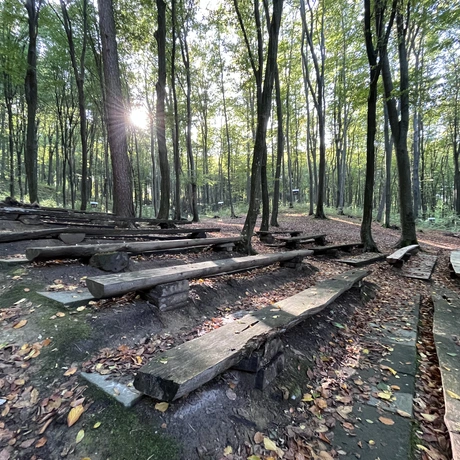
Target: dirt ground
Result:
[[44, 347]]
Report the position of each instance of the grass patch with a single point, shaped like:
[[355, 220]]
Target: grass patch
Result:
[[122, 435]]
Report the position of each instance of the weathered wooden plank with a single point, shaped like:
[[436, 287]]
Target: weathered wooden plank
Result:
[[179, 371], [360, 260], [398, 256], [455, 262], [98, 231], [118, 284], [293, 241], [421, 267], [88, 250], [445, 330], [340, 247]]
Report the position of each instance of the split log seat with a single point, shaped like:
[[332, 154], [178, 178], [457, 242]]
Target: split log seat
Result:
[[180, 370], [337, 247], [398, 257], [88, 250], [454, 263], [121, 283], [266, 236], [104, 232], [294, 241]]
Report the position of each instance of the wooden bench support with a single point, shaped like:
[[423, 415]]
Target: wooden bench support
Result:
[[170, 295], [398, 257], [180, 370], [88, 250], [119, 284]]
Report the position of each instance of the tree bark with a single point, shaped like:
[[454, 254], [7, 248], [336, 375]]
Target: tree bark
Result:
[[279, 151], [262, 122], [79, 74], [31, 92], [116, 114], [399, 129], [165, 187]]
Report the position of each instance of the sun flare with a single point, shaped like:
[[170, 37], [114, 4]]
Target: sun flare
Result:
[[139, 118]]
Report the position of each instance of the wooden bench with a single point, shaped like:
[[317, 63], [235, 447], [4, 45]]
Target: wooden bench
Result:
[[454, 264], [336, 247], [294, 241], [266, 236], [87, 250], [180, 370], [105, 232], [121, 283], [398, 257]]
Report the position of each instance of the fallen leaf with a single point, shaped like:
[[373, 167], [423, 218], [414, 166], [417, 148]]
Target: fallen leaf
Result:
[[307, 397], [81, 308], [429, 417], [258, 437], [228, 450], [70, 371], [321, 403], [453, 395], [97, 425], [80, 436], [74, 415], [388, 368], [46, 342], [324, 455], [254, 457], [20, 324], [41, 442], [60, 314], [231, 394], [387, 421], [384, 395], [403, 414], [344, 411], [162, 406], [270, 445], [371, 442]]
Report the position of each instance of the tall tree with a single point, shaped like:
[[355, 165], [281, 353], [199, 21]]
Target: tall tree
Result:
[[165, 187], [31, 91], [400, 124], [263, 116], [79, 74], [116, 114], [375, 55], [308, 28]]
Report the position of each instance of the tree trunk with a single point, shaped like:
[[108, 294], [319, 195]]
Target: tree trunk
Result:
[[31, 91], [399, 129], [176, 127], [165, 188], [262, 122], [279, 151], [79, 74], [116, 129]]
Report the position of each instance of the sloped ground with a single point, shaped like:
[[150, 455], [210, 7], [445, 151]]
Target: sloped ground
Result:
[[334, 360]]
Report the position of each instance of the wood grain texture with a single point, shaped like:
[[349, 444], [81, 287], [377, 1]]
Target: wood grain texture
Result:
[[400, 254], [179, 371], [118, 284], [88, 250]]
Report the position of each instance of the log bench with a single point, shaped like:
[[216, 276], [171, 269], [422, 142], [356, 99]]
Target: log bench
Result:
[[180, 370], [105, 232], [454, 264], [401, 255], [336, 247], [266, 236], [121, 283], [84, 251], [293, 242]]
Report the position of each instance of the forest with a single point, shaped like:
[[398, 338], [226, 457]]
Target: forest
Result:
[[187, 107]]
